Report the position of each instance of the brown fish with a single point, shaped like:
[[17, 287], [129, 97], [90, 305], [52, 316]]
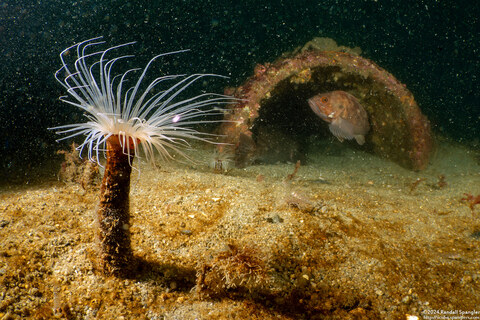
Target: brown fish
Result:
[[346, 116]]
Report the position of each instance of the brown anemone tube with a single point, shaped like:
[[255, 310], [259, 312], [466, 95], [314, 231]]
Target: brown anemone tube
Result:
[[116, 256]]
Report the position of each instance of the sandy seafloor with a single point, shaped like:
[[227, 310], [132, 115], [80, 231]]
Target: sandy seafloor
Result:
[[347, 238]]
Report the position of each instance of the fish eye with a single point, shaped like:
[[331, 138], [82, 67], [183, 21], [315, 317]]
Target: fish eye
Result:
[[324, 99]]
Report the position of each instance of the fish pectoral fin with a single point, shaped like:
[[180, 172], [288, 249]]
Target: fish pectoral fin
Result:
[[343, 129], [360, 139], [339, 128]]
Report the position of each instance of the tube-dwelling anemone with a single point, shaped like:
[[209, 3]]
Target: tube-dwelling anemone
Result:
[[127, 120]]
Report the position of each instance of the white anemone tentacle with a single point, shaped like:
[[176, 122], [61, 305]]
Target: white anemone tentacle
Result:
[[149, 122]]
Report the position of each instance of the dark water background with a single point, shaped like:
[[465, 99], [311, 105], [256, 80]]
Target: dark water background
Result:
[[431, 46]]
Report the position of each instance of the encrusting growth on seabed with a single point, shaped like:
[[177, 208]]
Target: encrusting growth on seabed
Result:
[[237, 267], [74, 169], [471, 200], [294, 173]]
